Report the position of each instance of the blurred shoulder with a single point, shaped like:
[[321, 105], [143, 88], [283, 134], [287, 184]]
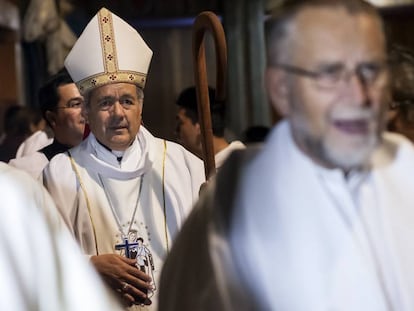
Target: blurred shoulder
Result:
[[12, 174], [396, 150], [19, 189]]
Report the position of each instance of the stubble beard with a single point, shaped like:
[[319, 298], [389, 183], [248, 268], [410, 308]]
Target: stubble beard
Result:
[[329, 150]]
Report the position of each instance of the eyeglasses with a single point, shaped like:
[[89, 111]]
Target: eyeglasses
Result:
[[72, 104], [333, 75]]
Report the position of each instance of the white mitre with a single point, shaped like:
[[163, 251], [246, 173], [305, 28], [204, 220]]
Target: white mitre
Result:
[[108, 51]]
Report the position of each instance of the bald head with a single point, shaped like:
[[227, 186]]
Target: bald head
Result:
[[282, 21]]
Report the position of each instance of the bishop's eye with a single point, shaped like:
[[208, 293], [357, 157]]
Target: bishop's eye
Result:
[[105, 104], [127, 103]]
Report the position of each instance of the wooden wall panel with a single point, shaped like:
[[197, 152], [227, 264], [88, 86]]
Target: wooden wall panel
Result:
[[170, 72], [8, 78]]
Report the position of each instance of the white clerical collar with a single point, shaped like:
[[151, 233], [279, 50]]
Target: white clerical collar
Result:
[[118, 154], [136, 159], [352, 180], [109, 156], [135, 148]]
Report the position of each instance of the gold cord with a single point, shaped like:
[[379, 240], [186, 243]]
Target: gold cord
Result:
[[72, 161], [163, 195]]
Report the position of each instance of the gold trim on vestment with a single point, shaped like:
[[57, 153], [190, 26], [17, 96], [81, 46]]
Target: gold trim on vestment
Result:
[[163, 195], [88, 205]]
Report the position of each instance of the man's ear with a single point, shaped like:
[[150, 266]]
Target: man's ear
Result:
[[197, 127], [198, 137], [51, 118], [277, 90]]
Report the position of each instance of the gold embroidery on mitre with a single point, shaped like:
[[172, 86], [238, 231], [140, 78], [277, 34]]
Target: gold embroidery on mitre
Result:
[[101, 79], [111, 73], [106, 29]]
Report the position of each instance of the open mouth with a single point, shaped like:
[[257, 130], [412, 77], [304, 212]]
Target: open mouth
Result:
[[118, 130], [118, 127], [352, 127]]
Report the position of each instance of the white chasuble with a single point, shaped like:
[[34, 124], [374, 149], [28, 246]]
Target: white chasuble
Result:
[[33, 164], [309, 238], [144, 198]]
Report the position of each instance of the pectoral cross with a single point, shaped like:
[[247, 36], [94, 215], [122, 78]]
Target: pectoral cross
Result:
[[126, 245]]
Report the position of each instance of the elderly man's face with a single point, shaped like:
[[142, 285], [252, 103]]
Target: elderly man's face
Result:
[[336, 123], [114, 114]]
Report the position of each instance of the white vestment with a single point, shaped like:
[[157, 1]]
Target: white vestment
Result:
[[33, 143], [282, 233], [161, 177], [41, 266], [222, 155], [33, 164]]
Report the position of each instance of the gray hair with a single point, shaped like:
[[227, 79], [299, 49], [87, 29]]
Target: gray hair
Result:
[[87, 95], [278, 25]]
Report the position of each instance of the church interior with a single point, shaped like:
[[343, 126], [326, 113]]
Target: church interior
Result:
[[35, 36]]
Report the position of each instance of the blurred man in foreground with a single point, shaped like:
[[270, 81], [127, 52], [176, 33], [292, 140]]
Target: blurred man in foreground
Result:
[[321, 218], [41, 266]]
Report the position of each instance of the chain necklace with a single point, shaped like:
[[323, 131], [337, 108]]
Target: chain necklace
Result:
[[118, 222], [89, 207]]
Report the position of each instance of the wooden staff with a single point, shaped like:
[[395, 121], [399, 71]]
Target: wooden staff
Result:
[[208, 21]]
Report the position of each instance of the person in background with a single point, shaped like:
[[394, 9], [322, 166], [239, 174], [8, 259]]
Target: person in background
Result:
[[321, 217], [17, 121], [188, 127], [121, 178], [61, 105], [41, 266], [41, 137], [401, 113]]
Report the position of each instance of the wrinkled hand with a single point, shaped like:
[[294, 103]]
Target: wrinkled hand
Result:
[[121, 274]]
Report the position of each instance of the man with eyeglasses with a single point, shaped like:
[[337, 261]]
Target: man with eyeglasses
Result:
[[61, 106], [322, 217]]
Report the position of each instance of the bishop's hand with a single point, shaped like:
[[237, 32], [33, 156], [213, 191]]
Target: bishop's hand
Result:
[[122, 275]]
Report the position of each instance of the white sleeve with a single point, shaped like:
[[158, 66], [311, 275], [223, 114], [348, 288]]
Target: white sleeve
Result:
[[60, 180], [41, 265], [197, 172]]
